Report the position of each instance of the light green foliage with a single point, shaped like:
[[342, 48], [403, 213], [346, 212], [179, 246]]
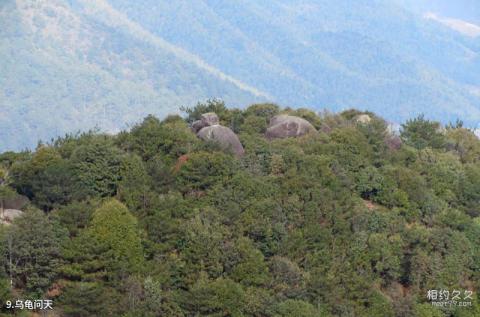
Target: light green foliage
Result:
[[116, 228], [249, 267], [107, 248], [264, 110], [254, 124], [465, 144], [427, 310], [216, 298], [158, 302], [170, 138], [298, 308], [211, 105]]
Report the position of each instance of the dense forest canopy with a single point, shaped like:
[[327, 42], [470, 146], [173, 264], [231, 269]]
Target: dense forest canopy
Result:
[[351, 221]]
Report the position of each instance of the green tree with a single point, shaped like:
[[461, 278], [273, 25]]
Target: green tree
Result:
[[298, 308], [116, 228], [216, 298], [46, 178], [421, 133], [33, 251], [203, 170], [97, 168], [158, 302], [134, 184], [76, 216], [212, 105], [108, 250], [79, 299], [249, 267]]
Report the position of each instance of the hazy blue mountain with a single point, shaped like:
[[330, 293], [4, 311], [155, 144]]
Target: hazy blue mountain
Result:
[[340, 54], [74, 66], [468, 10], [67, 65]]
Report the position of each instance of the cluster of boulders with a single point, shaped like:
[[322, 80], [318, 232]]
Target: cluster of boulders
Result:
[[208, 128]]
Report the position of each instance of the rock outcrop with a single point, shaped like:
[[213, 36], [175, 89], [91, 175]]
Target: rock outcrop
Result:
[[208, 128], [206, 120], [18, 202], [225, 137], [363, 118], [8, 215], [286, 126]]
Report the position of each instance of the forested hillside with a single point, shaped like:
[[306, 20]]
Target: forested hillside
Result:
[[76, 65], [347, 219]]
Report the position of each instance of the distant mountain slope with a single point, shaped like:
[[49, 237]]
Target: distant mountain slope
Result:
[[65, 67], [75, 64], [468, 10], [366, 54]]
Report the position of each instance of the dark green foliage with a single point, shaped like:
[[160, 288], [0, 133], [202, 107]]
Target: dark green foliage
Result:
[[220, 297], [81, 299], [202, 170], [134, 184], [153, 222], [33, 245], [211, 105], [76, 216], [45, 178], [421, 133], [97, 168], [265, 110], [298, 308]]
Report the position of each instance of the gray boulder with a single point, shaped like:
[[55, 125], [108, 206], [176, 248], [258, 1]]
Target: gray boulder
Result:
[[363, 118], [285, 126], [18, 202], [206, 120], [9, 215], [227, 139], [197, 126], [210, 118]]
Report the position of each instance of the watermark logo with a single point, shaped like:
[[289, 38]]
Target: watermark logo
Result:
[[446, 298], [29, 304]]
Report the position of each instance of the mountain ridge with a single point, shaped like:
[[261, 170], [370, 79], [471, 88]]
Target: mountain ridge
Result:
[[106, 64]]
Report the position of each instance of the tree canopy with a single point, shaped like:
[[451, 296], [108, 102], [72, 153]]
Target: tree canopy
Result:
[[154, 222]]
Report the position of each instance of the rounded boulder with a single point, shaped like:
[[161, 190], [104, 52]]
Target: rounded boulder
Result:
[[225, 137], [286, 126], [9, 215], [206, 120]]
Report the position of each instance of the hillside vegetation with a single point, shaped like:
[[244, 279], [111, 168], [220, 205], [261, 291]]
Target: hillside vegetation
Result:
[[349, 221]]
